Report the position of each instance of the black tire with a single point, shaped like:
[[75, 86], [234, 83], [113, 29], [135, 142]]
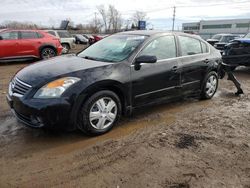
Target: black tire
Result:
[[83, 119], [47, 52], [66, 48], [232, 68], [204, 90]]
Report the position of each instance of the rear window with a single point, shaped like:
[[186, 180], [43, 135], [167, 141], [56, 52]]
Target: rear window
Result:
[[189, 46], [64, 34], [52, 33], [29, 35], [204, 47]]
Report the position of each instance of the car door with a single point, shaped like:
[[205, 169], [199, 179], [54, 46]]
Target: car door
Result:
[[194, 62], [29, 43], [9, 44], [153, 82]]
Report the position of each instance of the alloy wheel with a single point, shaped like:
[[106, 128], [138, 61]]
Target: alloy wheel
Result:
[[48, 53], [211, 85]]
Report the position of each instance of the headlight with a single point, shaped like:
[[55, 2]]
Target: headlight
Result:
[[56, 88]]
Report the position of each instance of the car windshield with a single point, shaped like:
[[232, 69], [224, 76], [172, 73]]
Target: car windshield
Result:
[[227, 39], [217, 37], [115, 48], [247, 35]]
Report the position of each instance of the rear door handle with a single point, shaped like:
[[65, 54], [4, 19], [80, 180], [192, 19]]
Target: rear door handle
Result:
[[206, 61], [174, 68]]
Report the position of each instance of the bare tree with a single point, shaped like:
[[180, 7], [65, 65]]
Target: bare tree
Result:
[[139, 16], [95, 25], [104, 16], [111, 18], [115, 19], [19, 25]]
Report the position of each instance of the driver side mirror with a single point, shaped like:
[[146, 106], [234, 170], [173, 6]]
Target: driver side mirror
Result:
[[1, 38], [144, 59]]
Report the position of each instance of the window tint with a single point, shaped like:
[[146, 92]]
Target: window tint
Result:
[[28, 35], [204, 47], [162, 48], [64, 34], [189, 46], [52, 33], [13, 35]]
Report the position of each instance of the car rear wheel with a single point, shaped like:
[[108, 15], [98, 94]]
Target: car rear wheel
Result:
[[47, 53], [210, 85], [99, 113], [66, 48]]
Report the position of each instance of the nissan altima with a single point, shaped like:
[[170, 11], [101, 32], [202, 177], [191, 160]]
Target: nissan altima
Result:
[[125, 71]]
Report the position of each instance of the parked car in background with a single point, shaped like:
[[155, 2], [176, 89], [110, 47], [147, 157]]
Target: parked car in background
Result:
[[122, 72], [95, 39], [237, 53], [28, 44], [88, 36], [67, 41], [79, 39], [220, 40], [226, 39]]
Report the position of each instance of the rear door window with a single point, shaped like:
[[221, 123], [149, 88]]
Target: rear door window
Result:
[[64, 34], [189, 46], [29, 35]]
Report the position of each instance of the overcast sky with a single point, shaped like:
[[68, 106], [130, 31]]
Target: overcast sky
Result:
[[51, 12]]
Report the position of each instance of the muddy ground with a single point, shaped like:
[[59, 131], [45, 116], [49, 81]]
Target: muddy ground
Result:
[[184, 144]]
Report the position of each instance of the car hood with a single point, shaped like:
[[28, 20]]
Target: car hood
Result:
[[212, 40], [56, 67]]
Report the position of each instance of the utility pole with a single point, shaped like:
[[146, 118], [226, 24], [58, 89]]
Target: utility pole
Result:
[[173, 18]]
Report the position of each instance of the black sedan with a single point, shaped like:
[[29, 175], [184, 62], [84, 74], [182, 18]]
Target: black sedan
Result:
[[123, 72]]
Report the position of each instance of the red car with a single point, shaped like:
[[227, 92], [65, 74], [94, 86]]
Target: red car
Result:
[[94, 39], [28, 44]]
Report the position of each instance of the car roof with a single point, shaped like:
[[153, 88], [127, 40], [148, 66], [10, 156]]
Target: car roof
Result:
[[157, 32], [56, 30], [34, 30], [227, 34]]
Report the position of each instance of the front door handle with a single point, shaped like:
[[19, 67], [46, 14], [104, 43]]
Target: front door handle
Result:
[[206, 61], [174, 68]]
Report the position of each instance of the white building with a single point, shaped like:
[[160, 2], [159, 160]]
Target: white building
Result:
[[207, 28]]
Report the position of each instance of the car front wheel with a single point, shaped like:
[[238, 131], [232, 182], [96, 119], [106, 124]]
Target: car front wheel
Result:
[[210, 85], [66, 48], [99, 113]]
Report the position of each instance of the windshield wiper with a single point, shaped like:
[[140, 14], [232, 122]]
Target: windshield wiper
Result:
[[91, 58], [97, 59]]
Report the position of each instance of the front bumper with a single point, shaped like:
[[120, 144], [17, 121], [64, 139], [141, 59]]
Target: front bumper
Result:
[[37, 113]]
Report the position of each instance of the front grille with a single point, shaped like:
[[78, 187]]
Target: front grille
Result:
[[19, 87]]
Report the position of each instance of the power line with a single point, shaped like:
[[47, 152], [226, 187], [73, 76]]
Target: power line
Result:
[[188, 6]]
